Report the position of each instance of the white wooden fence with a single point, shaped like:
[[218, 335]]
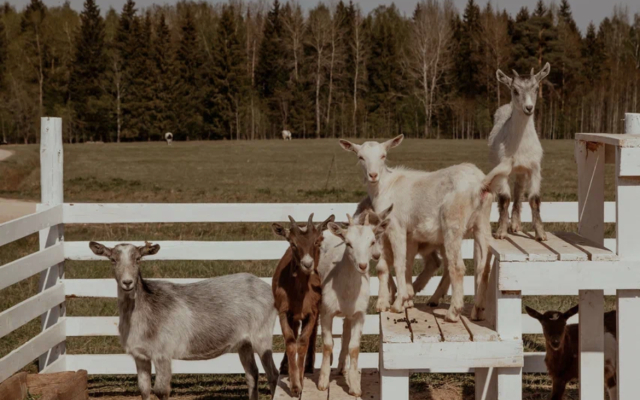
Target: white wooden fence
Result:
[[52, 215]]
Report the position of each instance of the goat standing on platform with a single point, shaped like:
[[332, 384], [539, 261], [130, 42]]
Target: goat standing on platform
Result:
[[344, 270], [514, 137], [562, 358], [437, 208], [297, 291], [163, 321]]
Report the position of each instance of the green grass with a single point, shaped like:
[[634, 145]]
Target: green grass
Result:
[[236, 172]]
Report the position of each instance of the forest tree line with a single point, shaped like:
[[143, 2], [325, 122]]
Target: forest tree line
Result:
[[248, 70]]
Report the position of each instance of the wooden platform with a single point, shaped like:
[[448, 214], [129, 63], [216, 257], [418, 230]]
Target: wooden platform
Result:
[[559, 246], [338, 389], [427, 341]]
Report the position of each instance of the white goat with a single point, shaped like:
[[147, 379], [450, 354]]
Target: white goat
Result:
[[168, 137], [437, 208], [161, 321], [344, 270], [514, 137], [286, 135]]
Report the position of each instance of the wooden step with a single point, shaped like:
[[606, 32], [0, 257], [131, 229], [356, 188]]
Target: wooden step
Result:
[[338, 389], [559, 246]]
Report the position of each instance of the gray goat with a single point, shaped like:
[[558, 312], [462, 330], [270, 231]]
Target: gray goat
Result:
[[161, 321]]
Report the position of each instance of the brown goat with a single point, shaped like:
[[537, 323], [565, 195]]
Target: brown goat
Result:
[[562, 358], [297, 291]]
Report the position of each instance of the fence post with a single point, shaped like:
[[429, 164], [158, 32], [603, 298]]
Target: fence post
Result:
[[628, 301], [51, 163]]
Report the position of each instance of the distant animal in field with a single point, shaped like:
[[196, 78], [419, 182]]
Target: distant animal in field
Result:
[[168, 137], [286, 135], [297, 291], [344, 270], [514, 137], [563, 349], [162, 321], [436, 208]]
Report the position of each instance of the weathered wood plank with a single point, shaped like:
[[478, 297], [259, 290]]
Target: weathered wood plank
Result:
[[595, 251], [451, 331], [480, 331], [534, 250], [424, 324], [565, 251], [394, 328], [504, 250], [309, 389], [615, 139], [590, 157]]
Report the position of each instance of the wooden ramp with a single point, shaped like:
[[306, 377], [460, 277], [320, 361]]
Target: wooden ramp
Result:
[[427, 341], [338, 389]]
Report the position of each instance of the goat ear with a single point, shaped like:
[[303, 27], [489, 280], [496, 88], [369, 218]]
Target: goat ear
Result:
[[533, 313], [395, 142], [149, 250], [100, 249], [544, 72], [385, 214], [348, 146], [502, 77], [326, 222], [280, 230], [571, 312], [382, 227], [336, 230]]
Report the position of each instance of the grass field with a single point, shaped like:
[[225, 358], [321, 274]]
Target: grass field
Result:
[[237, 172]]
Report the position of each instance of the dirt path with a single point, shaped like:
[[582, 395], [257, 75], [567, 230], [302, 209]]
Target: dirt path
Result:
[[12, 209]]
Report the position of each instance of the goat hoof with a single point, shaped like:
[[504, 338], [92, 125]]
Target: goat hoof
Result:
[[382, 305], [409, 304], [397, 308], [295, 391], [541, 237], [515, 229], [452, 316], [477, 314], [323, 382]]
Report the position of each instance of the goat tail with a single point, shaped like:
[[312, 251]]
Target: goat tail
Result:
[[502, 170]]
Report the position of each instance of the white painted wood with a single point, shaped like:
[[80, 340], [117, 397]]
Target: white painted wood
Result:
[[568, 277], [629, 162], [506, 353], [23, 355], [614, 139], [565, 251], [239, 250], [451, 331], [27, 266], [59, 365], [591, 341], [590, 159], [628, 331], [632, 123], [394, 384], [18, 315], [486, 383], [52, 195], [595, 251], [425, 329], [107, 287], [505, 250], [29, 224], [110, 213], [509, 384], [628, 214], [535, 251], [122, 364], [509, 327]]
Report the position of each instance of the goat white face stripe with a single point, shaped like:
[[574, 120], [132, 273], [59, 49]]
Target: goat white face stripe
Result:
[[307, 260]]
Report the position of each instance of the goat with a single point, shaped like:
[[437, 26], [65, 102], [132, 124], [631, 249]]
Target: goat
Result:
[[437, 208], [161, 321], [344, 270], [514, 137], [286, 135], [168, 137], [297, 291], [562, 358], [387, 288]]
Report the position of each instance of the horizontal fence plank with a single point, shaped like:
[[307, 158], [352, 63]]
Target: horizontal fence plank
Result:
[[27, 266], [18, 315], [23, 355], [108, 326], [108, 288], [123, 364], [32, 223], [253, 250], [568, 277], [111, 213]]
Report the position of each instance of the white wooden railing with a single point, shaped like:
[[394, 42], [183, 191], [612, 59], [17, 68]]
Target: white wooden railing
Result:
[[53, 214]]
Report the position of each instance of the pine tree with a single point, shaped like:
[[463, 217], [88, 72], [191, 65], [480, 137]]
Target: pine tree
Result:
[[88, 70], [140, 72], [166, 79], [228, 77]]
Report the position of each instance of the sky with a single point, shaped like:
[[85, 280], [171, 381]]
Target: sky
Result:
[[584, 11]]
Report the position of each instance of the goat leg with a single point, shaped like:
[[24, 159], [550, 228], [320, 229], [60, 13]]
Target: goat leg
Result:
[[310, 359], [162, 387], [518, 188], [503, 222], [251, 372], [327, 350], [291, 350], [557, 391], [534, 202], [144, 377]]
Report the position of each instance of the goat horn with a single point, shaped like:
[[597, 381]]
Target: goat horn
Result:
[[294, 224], [366, 219], [350, 219], [514, 72], [310, 222], [533, 72]]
